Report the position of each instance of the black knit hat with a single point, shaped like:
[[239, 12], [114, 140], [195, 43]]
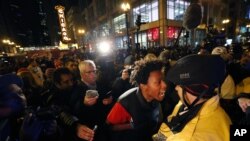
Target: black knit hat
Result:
[[198, 69]]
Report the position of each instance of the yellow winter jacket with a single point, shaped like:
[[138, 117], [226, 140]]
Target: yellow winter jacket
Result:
[[228, 88], [243, 86], [210, 124]]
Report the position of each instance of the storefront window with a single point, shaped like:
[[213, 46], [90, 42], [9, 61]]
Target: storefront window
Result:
[[119, 43], [144, 40], [149, 38], [153, 34], [172, 34], [149, 12], [176, 9]]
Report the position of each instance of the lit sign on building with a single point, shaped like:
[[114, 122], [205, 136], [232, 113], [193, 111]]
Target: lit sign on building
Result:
[[60, 10]]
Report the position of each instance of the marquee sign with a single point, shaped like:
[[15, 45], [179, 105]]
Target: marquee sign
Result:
[[62, 21]]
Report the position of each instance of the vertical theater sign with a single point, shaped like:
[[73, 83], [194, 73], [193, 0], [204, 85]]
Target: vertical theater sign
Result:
[[62, 21]]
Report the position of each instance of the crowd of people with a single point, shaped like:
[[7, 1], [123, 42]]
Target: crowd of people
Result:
[[152, 96]]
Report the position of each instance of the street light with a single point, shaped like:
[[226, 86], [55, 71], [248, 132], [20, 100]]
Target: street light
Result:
[[126, 7], [8, 46], [81, 32], [226, 21], [6, 41]]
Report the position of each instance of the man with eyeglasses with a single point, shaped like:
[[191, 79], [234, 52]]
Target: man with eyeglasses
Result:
[[92, 108]]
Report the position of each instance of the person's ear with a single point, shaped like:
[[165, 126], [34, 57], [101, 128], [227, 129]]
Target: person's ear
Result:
[[143, 86]]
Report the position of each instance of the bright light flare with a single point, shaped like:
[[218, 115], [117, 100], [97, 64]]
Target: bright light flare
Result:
[[104, 47]]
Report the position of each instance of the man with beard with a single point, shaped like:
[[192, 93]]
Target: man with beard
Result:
[[72, 65], [59, 96]]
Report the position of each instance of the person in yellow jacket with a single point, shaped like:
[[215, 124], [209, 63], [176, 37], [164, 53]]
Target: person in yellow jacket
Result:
[[198, 115], [227, 89]]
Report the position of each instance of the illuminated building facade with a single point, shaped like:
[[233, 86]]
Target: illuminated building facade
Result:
[[104, 19]]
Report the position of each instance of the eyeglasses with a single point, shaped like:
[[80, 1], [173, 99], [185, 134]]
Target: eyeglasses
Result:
[[89, 72]]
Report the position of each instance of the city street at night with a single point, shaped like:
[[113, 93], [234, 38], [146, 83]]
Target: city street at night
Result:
[[124, 70]]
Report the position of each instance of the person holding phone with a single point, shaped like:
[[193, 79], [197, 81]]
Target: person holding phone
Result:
[[89, 102]]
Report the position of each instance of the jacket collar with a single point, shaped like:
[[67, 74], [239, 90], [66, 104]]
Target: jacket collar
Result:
[[209, 106]]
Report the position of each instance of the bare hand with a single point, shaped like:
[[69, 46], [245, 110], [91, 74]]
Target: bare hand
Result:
[[84, 132], [89, 101], [244, 103], [107, 101]]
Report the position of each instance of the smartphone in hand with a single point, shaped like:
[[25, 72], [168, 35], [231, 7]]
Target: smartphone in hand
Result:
[[92, 93]]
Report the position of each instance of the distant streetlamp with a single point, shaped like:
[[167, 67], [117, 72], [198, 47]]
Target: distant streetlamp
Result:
[[8, 46], [6, 41], [126, 7], [81, 32], [226, 21]]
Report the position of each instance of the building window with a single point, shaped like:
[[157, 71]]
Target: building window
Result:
[[172, 34], [119, 23], [149, 12], [248, 12], [176, 9], [119, 43], [142, 39], [105, 30], [155, 12], [153, 34]]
